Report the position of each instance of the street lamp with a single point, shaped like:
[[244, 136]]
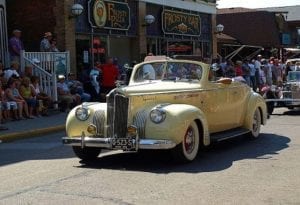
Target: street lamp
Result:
[[149, 19], [219, 29], [76, 10]]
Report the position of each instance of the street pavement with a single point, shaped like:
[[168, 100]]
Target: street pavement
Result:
[[22, 129], [239, 171]]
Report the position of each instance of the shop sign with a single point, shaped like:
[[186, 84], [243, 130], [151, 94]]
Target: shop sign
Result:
[[109, 14], [180, 23]]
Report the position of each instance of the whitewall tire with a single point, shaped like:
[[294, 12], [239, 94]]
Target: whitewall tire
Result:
[[188, 149], [256, 124]]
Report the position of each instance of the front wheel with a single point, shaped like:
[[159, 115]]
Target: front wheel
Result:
[[87, 153], [256, 123], [188, 149]]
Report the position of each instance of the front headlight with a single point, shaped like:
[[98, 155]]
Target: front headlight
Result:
[[82, 113], [157, 115]]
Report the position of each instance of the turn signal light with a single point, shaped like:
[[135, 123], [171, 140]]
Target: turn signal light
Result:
[[92, 129], [132, 130]]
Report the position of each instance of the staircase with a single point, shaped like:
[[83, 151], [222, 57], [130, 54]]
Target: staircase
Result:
[[46, 66]]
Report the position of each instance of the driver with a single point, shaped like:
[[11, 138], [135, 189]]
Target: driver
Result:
[[148, 72]]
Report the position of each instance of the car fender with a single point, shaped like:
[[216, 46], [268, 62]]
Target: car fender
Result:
[[178, 118], [255, 101], [75, 127]]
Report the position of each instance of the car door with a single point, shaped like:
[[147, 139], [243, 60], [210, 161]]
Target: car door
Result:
[[218, 109]]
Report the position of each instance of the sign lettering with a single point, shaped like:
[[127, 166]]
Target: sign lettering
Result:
[[180, 23], [109, 14]]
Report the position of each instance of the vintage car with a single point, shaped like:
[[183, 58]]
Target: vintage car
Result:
[[168, 104], [284, 95]]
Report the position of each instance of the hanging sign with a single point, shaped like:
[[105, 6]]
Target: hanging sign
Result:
[[109, 14], [181, 23]]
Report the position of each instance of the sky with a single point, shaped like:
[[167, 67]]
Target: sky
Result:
[[256, 3]]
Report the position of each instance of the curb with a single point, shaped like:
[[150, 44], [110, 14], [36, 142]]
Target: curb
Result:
[[31, 133]]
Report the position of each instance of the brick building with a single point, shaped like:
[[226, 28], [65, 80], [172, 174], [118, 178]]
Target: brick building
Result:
[[269, 27], [180, 27]]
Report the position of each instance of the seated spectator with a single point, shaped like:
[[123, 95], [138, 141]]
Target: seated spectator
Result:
[[28, 71], [12, 94], [12, 71], [6, 105], [68, 100], [1, 127], [76, 87], [44, 101], [28, 94]]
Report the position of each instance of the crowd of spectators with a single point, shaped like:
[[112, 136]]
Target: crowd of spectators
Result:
[[258, 72]]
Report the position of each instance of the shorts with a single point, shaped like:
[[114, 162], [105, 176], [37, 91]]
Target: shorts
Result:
[[10, 105]]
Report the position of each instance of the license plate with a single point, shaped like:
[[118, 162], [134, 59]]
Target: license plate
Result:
[[126, 144]]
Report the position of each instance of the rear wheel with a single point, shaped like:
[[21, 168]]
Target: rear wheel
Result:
[[188, 149], [256, 123], [87, 153]]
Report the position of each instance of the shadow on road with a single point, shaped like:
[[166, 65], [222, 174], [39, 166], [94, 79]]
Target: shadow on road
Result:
[[293, 112], [217, 157]]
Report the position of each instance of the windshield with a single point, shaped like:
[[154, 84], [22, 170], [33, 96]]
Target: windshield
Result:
[[294, 76], [174, 71]]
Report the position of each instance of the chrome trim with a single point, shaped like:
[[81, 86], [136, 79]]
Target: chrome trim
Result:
[[106, 143], [99, 121], [139, 121]]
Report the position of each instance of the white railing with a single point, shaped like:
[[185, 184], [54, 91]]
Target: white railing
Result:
[[46, 66]]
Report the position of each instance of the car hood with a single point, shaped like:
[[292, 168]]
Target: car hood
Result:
[[158, 87]]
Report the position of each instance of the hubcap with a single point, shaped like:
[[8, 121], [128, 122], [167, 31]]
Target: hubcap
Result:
[[255, 122], [189, 140]]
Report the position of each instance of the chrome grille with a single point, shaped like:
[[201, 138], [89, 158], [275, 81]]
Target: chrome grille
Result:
[[139, 121], [117, 115], [99, 121]]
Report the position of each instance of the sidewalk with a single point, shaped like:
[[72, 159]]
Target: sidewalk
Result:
[[22, 129]]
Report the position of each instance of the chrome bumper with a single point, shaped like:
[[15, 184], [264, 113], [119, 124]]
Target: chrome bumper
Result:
[[106, 143]]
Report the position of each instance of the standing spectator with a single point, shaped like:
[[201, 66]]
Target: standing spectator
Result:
[[276, 72], [53, 47], [229, 70], [267, 66], [238, 68], [45, 45], [246, 71], [252, 75], [95, 76], [288, 68], [257, 65], [110, 75], [15, 45]]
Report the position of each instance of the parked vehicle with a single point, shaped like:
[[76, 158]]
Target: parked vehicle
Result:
[[284, 95], [168, 104]]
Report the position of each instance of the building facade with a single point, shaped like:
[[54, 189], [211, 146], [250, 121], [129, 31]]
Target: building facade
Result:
[[3, 34], [117, 28]]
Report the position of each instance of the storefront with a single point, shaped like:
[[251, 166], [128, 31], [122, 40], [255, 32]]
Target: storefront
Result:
[[107, 29], [117, 29], [178, 32]]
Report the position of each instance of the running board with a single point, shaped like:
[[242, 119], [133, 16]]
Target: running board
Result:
[[220, 136]]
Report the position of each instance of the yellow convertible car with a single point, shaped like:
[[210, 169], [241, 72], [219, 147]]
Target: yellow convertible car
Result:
[[169, 104]]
